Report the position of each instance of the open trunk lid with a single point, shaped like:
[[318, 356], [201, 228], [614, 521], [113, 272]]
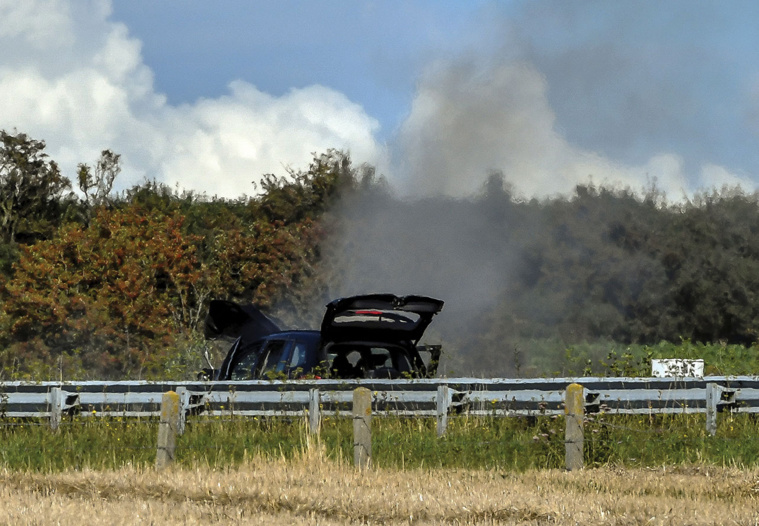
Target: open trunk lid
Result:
[[379, 317]]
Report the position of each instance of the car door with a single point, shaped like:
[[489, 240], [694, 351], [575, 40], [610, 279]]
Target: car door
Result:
[[300, 361], [244, 362], [274, 359]]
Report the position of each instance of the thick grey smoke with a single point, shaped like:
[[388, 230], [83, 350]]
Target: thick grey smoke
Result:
[[471, 117], [560, 93], [456, 249], [630, 79], [477, 114], [437, 247]]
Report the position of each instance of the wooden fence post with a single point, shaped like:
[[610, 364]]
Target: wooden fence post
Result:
[[167, 429], [314, 412], [713, 396], [56, 407], [362, 428], [184, 402], [443, 405], [574, 409]]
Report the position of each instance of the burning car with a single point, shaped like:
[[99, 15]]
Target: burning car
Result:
[[368, 336]]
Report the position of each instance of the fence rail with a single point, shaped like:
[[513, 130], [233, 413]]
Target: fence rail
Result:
[[435, 398], [360, 399]]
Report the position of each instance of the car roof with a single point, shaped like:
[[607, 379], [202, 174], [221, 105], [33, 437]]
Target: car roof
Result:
[[296, 334]]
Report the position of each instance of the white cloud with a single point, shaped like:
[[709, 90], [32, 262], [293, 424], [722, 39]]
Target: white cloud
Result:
[[249, 130], [713, 176], [467, 120], [78, 82], [38, 25]]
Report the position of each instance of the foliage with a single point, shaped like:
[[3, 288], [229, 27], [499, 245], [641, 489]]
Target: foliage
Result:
[[31, 186], [121, 292], [114, 294], [33, 196], [96, 187], [510, 444], [593, 283], [611, 268], [310, 193], [539, 357]]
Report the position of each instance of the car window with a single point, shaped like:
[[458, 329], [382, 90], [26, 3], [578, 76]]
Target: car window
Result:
[[381, 358], [356, 360], [402, 363], [274, 358], [385, 358], [243, 368], [299, 357]]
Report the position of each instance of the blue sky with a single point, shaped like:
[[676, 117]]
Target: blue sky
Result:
[[209, 96], [370, 51]]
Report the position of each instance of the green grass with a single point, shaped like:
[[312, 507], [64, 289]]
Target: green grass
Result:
[[92, 442], [549, 357], [503, 443], [511, 444]]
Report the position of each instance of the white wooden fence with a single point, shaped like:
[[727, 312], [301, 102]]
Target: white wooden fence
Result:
[[361, 399], [438, 398]]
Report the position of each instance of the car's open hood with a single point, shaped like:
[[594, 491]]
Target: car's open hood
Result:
[[379, 317], [226, 318]]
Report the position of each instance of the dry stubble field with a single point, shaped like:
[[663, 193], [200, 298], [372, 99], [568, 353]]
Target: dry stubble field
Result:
[[316, 490]]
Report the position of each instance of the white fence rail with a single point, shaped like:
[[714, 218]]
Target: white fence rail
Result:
[[434, 398]]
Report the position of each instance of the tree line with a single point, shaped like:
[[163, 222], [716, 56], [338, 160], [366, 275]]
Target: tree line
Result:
[[102, 284], [97, 284]]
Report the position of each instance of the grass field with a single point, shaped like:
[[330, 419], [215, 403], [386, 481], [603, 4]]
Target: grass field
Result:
[[510, 444], [658, 469], [310, 488], [641, 470]]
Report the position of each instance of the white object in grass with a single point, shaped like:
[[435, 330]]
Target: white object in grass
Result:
[[677, 368]]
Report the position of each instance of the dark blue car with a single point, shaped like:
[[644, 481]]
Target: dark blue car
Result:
[[369, 336]]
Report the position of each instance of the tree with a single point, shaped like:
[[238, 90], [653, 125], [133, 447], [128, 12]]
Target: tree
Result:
[[97, 187], [308, 194], [259, 262], [31, 189], [116, 295]]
